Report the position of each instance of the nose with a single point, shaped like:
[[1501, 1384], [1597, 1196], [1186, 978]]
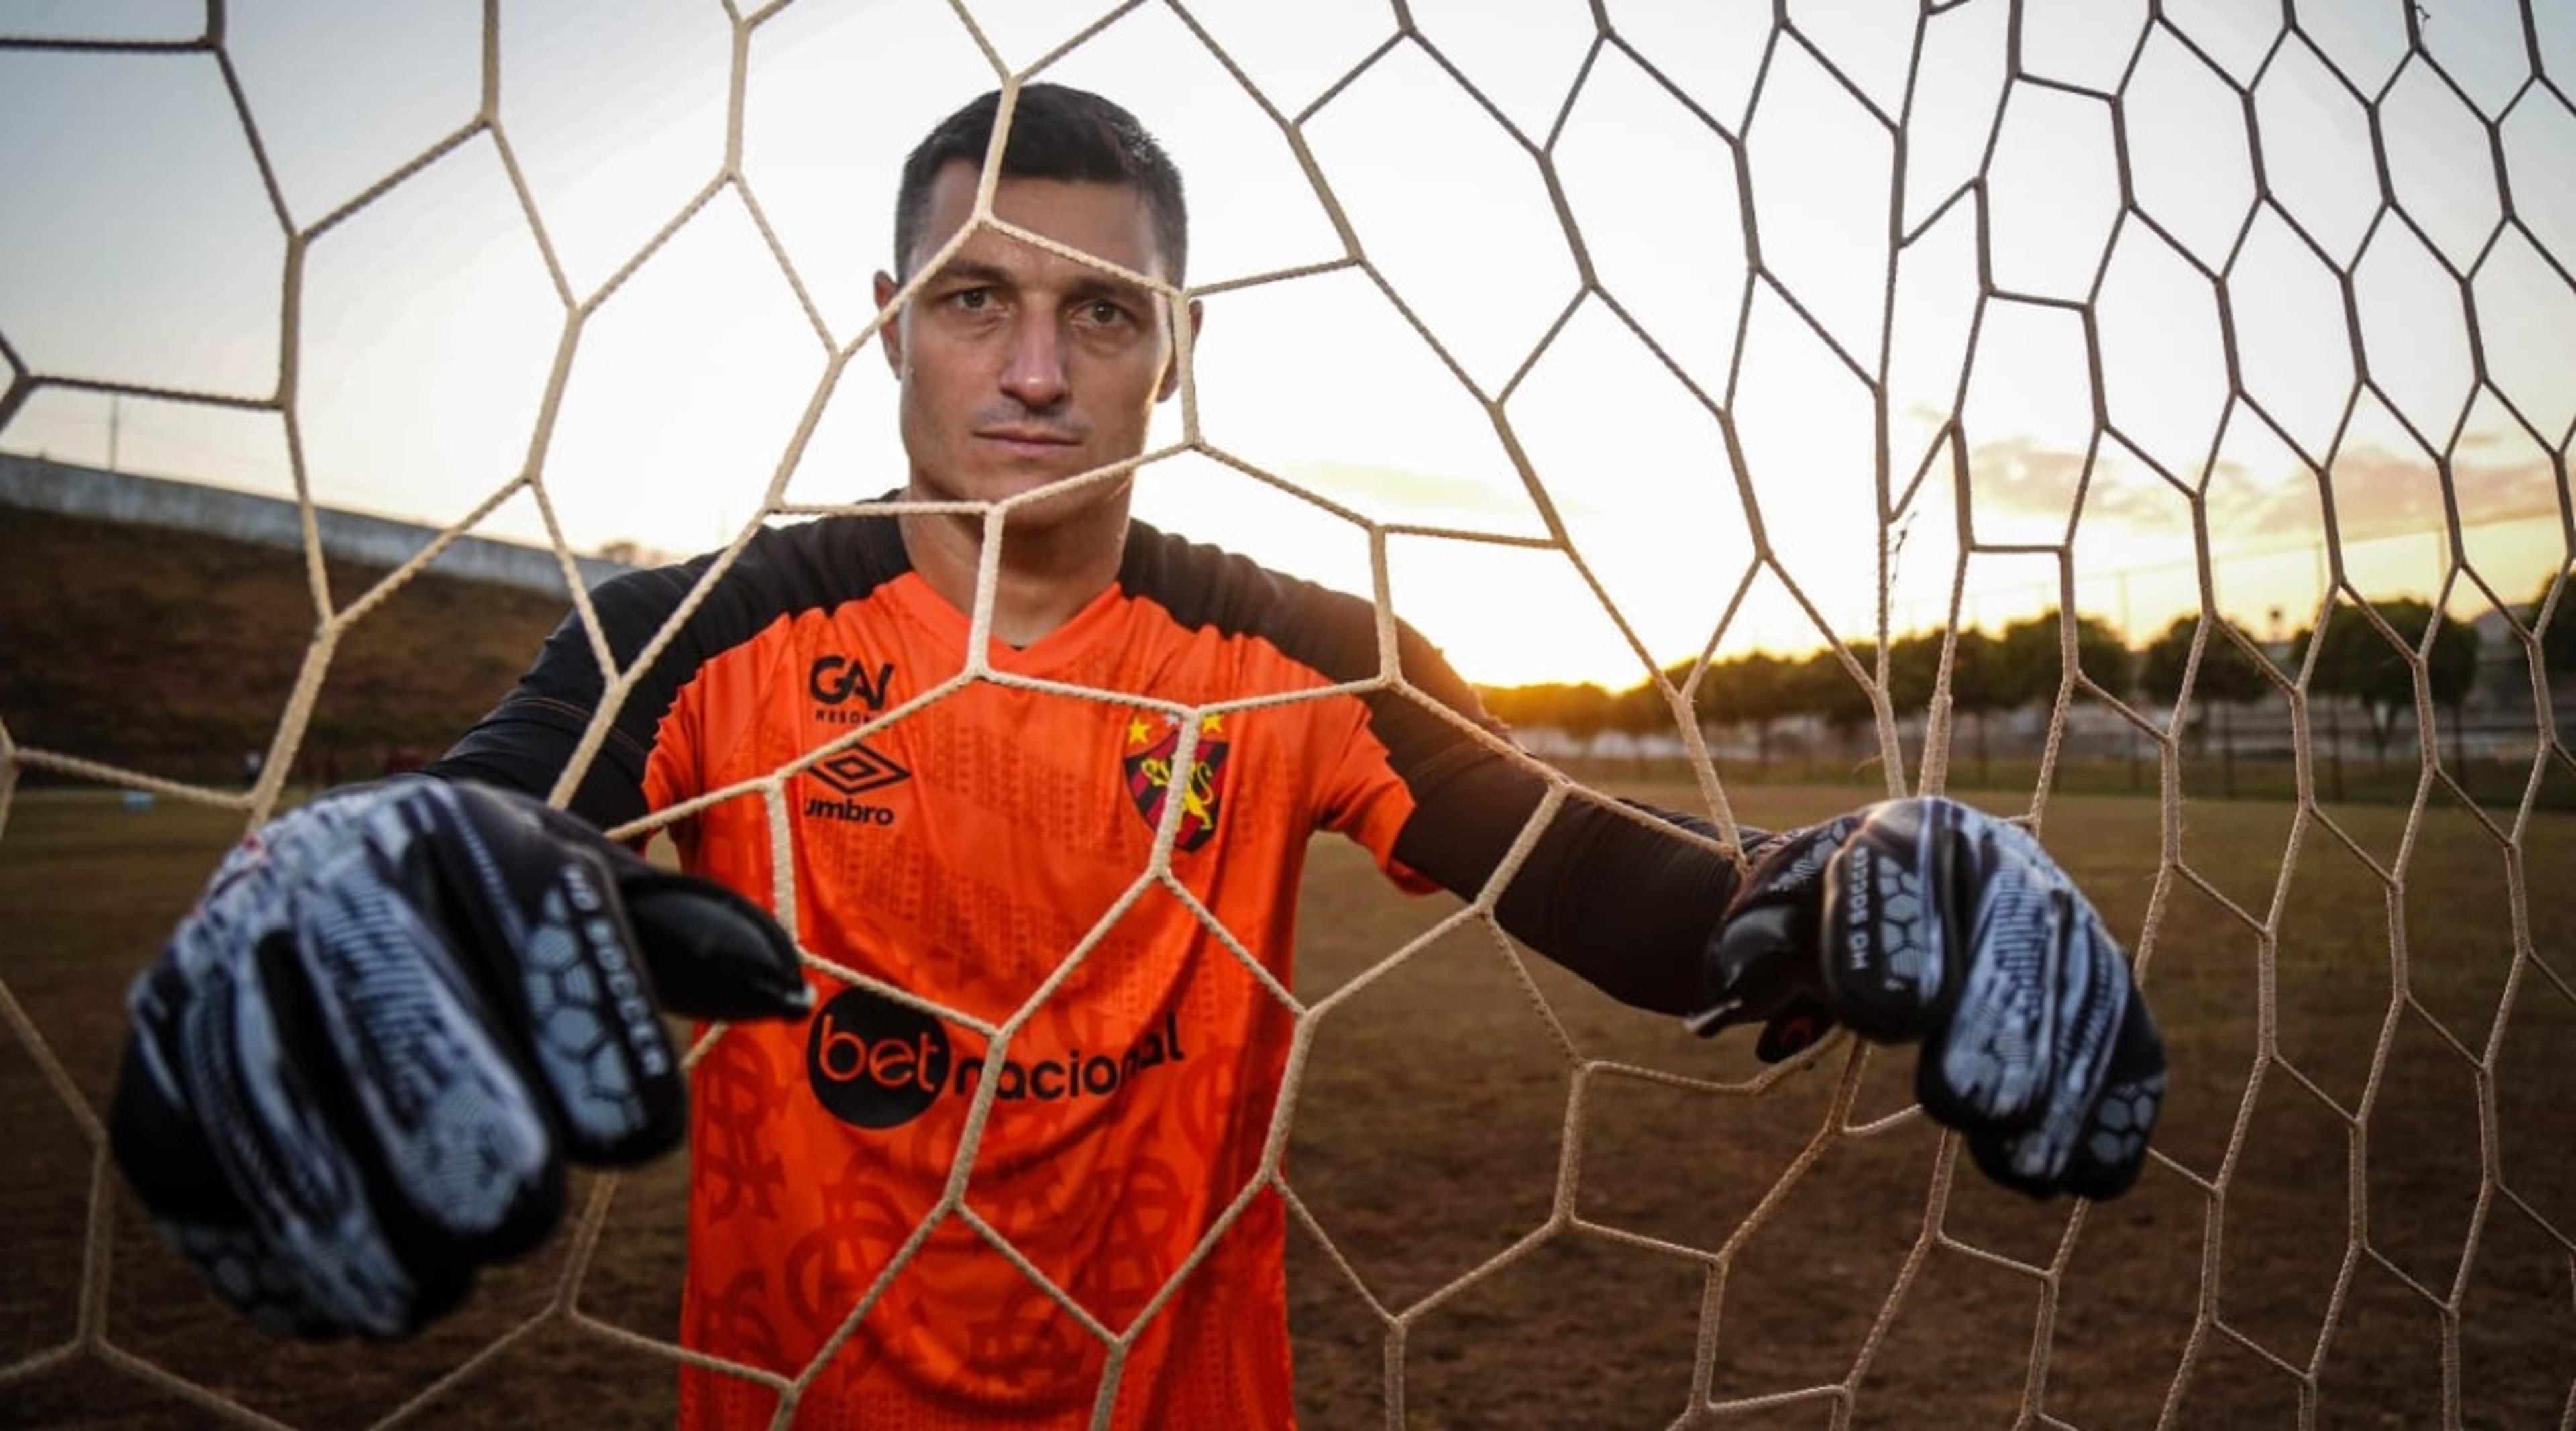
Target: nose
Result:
[[1033, 371]]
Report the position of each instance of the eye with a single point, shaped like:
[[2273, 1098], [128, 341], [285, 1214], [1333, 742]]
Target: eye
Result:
[[973, 300], [1102, 313]]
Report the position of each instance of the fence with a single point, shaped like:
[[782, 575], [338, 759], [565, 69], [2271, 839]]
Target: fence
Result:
[[48, 486]]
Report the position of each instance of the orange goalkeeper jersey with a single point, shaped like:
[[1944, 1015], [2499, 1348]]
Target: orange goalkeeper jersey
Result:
[[988, 853]]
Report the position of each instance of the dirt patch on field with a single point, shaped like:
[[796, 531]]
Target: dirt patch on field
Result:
[[2346, 1106]]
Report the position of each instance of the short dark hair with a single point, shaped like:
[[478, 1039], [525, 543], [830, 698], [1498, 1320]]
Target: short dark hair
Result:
[[1057, 132]]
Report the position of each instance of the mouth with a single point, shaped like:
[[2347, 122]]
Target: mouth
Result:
[[1028, 441]]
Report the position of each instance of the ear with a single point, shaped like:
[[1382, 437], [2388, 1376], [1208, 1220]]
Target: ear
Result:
[[890, 337], [1172, 370]]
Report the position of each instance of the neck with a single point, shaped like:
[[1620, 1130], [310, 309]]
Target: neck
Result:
[[1054, 561]]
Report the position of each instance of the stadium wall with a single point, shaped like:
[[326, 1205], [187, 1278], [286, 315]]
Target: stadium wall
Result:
[[48, 486]]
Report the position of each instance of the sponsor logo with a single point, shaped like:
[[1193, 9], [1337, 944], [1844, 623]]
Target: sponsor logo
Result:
[[875, 1063], [848, 775], [833, 681], [858, 770], [1148, 762], [848, 812]]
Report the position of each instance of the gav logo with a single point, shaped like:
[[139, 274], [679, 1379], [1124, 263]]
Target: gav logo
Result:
[[852, 773], [833, 680], [875, 1063]]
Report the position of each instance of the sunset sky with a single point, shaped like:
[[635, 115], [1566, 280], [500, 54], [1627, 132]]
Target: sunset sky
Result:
[[142, 249]]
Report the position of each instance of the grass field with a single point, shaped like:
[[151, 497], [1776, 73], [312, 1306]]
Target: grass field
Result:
[[1431, 1127]]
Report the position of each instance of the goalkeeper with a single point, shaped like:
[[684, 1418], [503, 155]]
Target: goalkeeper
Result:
[[365, 1059]]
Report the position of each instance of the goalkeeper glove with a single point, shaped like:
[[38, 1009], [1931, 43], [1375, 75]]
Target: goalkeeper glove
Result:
[[360, 1065], [1926, 920]]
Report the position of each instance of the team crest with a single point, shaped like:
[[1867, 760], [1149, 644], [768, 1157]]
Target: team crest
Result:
[[1149, 775]]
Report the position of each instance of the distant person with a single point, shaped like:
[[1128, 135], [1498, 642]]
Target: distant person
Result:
[[251, 764], [362, 1063]]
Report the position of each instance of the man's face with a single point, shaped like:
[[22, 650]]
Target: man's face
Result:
[[1019, 366]]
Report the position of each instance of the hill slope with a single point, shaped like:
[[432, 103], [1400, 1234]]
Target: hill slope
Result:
[[174, 651]]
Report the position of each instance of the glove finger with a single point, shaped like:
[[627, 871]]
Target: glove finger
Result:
[[538, 917], [2112, 1149], [713, 953], [228, 1140], [172, 1167], [2108, 1158], [1760, 962], [2028, 1048], [1993, 1151], [1891, 933], [1794, 1029], [411, 1062], [1791, 867]]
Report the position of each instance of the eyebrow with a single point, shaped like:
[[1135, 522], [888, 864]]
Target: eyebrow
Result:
[[1092, 284], [962, 270], [1095, 284]]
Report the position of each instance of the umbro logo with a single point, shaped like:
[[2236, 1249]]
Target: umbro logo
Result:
[[859, 770], [850, 774]]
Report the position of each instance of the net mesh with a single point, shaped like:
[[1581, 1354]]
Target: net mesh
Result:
[[2453, 1270]]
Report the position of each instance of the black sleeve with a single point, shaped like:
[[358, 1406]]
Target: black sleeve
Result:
[[784, 570], [1621, 902], [1626, 906], [525, 742]]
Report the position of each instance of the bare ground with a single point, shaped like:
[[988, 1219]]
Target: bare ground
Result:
[[2357, 1249]]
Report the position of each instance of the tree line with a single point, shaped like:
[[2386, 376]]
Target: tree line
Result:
[[2024, 665]]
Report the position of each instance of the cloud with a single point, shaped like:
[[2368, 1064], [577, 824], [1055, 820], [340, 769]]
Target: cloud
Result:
[[2019, 476], [1399, 494], [2376, 492]]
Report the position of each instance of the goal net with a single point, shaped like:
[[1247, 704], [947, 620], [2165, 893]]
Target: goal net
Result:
[[2148, 421]]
